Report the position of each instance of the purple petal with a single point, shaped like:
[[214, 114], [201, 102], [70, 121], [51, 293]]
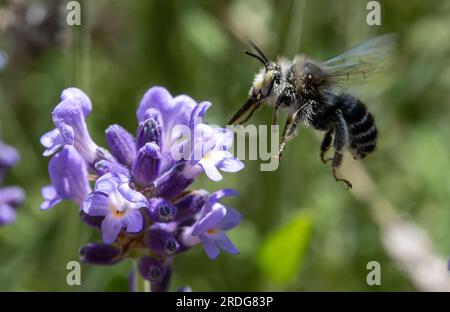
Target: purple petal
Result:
[[217, 196], [77, 96], [210, 221], [7, 214], [183, 106], [211, 250], [121, 144], [12, 195], [52, 141], [51, 198], [69, 175], [210, 169], [174, 111], [158, 98], [222, 241], [231, 219], [204, 141], [47, 204], [230, 163], [68, 117], [133, 221], [96, 204], [8, 155], [197, 114], [107, 183], [224, 139], [133, 196], [111, 228]]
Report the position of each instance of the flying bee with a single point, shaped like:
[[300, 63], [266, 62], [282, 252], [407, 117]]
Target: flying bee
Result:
[[309, 90]]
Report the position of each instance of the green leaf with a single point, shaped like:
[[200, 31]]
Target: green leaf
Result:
[[283, 250]]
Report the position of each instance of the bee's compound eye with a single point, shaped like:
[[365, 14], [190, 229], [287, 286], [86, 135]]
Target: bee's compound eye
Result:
[[277, 78]]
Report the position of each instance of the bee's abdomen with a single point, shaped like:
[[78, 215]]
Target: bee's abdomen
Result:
[[360, 124]]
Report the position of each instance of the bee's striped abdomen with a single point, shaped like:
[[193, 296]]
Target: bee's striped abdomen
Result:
[[362, 132]]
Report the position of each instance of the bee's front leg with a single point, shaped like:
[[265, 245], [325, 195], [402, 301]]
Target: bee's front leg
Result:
[[276, 110], [289, 131], [287, 125], [285, 99]]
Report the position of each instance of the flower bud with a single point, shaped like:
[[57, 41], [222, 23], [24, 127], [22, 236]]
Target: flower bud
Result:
[[163, 284], [151, 269], [161, 242], [93, 221], [101, 254], [150, 129], [104, 166], [172, 182], [146, 166], [121, 144], [190, 205], [161, 210]]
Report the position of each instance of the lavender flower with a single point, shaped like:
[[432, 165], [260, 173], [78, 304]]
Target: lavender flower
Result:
[[69, 176], [10, 197], [216, 155], [8, 158], [69, 118], [211, 225], [140, 200], [114, 200]]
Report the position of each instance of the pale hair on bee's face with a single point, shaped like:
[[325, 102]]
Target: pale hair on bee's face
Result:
[[264, 81]]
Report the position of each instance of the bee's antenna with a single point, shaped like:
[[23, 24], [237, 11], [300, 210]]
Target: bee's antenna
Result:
[[261, 54], [257, 57]]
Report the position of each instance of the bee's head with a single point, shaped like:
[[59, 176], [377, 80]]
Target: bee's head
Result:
[[266, 78]]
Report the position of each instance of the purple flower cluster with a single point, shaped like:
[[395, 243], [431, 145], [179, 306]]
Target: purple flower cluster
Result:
[[140, 198], [10, 196]]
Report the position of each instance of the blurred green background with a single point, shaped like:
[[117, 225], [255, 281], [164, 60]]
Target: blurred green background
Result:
[[301, 231]]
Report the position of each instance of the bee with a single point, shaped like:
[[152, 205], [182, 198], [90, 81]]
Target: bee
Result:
[[311, 92]]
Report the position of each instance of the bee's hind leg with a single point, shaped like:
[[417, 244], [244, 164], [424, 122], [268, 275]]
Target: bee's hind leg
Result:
[[326, 143], [337, 161], [340, 139]]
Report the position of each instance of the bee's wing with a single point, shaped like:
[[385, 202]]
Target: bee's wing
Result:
[[363, 60]]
